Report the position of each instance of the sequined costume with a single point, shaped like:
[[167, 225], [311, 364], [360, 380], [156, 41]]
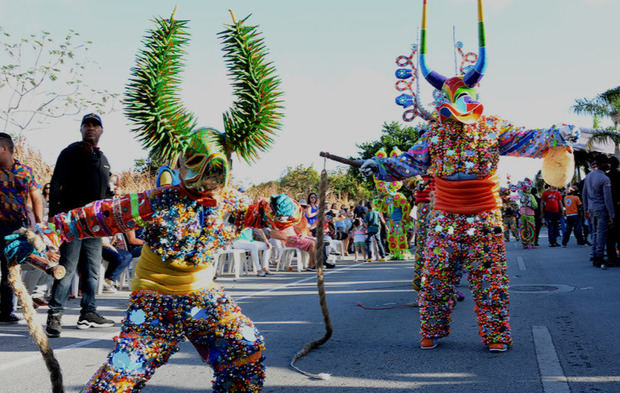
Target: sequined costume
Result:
[[423, 203], [527, 212], [396, 209], [461, 151], [173, 295]]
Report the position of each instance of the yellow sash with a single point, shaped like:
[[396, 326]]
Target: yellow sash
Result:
[[171, 277]]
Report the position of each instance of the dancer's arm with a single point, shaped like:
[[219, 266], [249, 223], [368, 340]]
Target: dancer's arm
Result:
[[413, 162], [533, 143], [105, 217]]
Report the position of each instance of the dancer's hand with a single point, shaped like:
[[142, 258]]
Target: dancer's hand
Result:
[[52, 256], [369, 168]]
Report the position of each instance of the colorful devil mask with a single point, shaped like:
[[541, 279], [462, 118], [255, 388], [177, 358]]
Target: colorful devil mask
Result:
[[168, 130], [459, 92], [202, 166]]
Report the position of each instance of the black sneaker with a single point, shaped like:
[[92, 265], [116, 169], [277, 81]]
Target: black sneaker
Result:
[[54, 327], [93, 319], [9, 318]]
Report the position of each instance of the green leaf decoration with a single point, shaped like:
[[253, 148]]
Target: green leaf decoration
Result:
[[152, 95], [252, 121]]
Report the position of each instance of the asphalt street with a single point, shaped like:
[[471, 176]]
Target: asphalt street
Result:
[[564, 313]]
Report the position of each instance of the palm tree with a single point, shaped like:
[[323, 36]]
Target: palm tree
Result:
[[604, 105]]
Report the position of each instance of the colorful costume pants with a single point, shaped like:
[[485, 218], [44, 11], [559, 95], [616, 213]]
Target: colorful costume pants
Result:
[[156, 323], [528, 230], [475, 241], [420, 243]]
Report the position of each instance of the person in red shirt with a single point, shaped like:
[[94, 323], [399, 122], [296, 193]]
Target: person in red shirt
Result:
[[552, 209]]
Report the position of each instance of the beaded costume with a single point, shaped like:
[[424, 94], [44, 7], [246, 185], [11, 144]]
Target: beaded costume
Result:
[[527, 211], [424, 187], [461, 151], [396, 209], [174, 296]]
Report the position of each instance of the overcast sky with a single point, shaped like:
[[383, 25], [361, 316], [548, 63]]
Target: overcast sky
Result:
[[336, 62]]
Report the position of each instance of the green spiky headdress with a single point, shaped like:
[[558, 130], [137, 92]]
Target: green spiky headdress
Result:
[[164, 126]]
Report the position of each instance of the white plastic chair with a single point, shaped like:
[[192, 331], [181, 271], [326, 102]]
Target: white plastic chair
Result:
[[232, 266], [286, 257]]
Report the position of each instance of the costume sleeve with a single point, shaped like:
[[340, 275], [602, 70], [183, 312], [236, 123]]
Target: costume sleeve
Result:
[[521, 142], [413, 162], [106, 217]]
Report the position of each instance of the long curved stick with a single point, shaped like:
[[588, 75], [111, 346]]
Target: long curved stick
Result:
[[320, 284]]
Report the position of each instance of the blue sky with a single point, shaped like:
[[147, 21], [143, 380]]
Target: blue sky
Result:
[[336, 62]]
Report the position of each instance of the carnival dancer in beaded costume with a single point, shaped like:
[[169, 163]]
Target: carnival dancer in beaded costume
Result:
[[174, 296], [527, 212], [461, 152], [396, 209]]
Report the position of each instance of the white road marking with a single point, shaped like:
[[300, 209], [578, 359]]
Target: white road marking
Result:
[[78, 344], [83, 343], [294, 282], [521, 263], [551, 373]]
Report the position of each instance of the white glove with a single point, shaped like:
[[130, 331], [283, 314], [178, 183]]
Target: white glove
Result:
[[369, 168], [570, 133]]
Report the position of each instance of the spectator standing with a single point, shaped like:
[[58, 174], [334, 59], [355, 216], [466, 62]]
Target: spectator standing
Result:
[[360, 211], [81, 175], [613, 237], [373, 225], [17, 184], [599, 208], [312, 211], [552, 209], [573, 220], [359, 239]]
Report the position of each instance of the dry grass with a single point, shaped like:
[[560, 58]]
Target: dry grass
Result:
[[28, 156], [133, 181], [129, 180]]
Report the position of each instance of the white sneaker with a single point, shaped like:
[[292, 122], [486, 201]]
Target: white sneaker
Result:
[[109, 286]]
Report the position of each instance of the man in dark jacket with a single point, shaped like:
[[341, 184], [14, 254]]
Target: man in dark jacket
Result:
[[81, 175], [613, 237]]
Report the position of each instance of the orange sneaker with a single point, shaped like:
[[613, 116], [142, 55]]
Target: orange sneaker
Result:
[[428, 343], [498, 347]]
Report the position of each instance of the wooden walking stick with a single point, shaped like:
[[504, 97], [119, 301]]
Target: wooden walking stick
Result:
[[40, 262], [35, 329], [333, 157], [320, 284]]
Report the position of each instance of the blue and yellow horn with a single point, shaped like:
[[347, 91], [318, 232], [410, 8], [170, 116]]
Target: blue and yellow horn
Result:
[[433, 77], [474, 75]]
